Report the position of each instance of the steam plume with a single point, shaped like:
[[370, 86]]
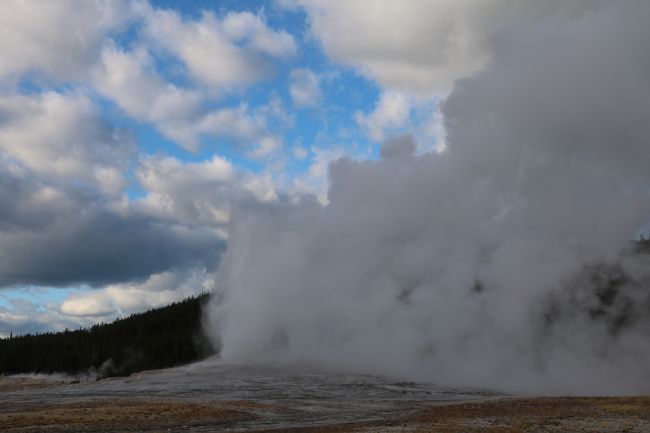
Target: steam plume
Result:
[[503, 261]]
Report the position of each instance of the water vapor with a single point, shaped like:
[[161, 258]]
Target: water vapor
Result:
[[505, 260]]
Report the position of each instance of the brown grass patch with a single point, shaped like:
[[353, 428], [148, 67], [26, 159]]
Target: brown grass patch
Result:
[[525, 415], [560, 414], [118, 415]]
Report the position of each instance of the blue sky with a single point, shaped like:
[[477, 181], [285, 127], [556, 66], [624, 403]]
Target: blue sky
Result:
[[129, 131], [137, 135]]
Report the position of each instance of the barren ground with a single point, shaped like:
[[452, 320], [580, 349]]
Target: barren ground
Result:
[[211, 396]]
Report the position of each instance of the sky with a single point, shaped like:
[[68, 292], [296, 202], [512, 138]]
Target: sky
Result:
[[127, 132], [431, 188]]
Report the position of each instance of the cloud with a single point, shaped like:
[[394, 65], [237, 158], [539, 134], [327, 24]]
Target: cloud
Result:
[[238, 124], [80, 242], [415, 45], [266, 146], [128, 298], [64, 218], [167, 182], [315, 180], [398, 147], [484, 264], [392, 112], [304, 88], [250, 31], [64, 136], [95, 304], [299, 152], [33, 39], [130, 79], [23, 311], [219, 52], [19, 315]]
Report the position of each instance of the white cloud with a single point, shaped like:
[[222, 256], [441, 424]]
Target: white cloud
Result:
[[304, 87], [94, 303], [63, 135], [197, 193], [299, 152], [221, 52], [434, 131], [414, 45], [19, 315], [85, 307], [124, 299], [130, 79], [250, 31], [262, 187], [169, 181], [265, 147], [60, 39], [391, 112], [238, 124]]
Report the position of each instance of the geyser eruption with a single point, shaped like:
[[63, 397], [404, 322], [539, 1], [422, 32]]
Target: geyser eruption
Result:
[[503, 261]]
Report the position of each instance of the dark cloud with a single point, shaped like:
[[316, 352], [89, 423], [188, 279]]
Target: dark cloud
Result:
[[398, 147], [77, 238], [64, 215], [100, 247]]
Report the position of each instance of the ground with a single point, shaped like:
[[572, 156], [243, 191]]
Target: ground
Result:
[[249, 398]]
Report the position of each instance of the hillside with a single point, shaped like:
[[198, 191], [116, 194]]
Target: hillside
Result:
[[158, 338]]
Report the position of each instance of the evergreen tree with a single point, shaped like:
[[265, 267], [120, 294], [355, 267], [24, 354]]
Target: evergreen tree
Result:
[[158, 338]]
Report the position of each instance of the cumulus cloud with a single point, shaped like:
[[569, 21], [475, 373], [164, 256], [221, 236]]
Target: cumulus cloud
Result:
[[64, 219], [391, 112], [71, 212], [75, 241], [244, 127], [304, 88], [485, 264], [64, 136], [21, 315], [167, 182], [222, 52], [266, 146], [33, 39], [127, 298], [129, 79], [21, 310], [414, 45]]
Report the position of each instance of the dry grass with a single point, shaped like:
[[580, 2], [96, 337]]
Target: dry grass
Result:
[[570, 414], [532, 415], [120, 415], [526, 415]]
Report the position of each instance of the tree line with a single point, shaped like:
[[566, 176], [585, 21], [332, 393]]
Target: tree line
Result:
[[158, 338]]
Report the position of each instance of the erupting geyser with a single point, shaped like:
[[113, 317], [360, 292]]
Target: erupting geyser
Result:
[[502, 261]]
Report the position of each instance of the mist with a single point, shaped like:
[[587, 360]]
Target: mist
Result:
[[503, 261]]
